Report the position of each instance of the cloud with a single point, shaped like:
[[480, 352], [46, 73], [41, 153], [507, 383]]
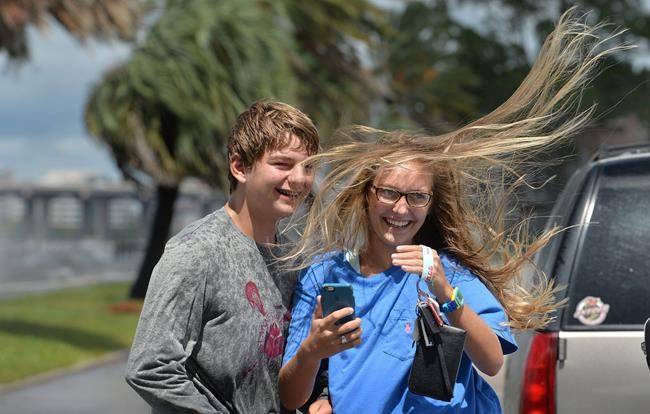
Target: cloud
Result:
[[12, 146], [76, 146], [42, 102], [29, 162]]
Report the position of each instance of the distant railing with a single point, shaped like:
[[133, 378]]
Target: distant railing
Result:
[[119, 211]]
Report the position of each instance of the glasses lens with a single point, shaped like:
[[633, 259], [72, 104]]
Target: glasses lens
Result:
[[386, 195], [418, 199]]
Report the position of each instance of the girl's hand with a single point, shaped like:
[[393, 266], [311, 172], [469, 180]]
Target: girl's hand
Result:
[[321, 406], [411, 259], [326, 338]]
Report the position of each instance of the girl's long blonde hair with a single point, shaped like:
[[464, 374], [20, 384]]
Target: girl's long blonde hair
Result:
[[475, 168]]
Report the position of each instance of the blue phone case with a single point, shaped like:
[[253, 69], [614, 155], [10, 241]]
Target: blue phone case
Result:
[[335, 296]]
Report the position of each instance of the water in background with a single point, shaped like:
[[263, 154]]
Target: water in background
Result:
[[51, 239]]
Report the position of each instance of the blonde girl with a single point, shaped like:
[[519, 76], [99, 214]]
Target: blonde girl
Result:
[[389, 200]]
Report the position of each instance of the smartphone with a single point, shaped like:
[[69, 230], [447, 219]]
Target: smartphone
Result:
[[335, 296]]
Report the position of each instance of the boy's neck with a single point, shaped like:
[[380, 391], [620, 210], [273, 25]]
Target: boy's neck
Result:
[[258, 227]]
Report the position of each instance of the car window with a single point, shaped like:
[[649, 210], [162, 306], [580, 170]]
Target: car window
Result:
[[610, 286]]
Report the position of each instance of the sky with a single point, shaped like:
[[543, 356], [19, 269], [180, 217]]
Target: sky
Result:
[[42, 101], [41, 106]]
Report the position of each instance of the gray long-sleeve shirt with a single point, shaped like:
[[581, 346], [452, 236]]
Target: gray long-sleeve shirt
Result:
[[213, 326]]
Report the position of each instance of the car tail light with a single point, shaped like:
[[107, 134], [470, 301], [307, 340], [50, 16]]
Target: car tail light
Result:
[[538, 387]]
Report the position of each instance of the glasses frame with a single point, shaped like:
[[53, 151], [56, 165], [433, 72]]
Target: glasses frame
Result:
[[403, 195]]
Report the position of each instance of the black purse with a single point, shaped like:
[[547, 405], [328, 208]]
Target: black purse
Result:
[[437, 356]]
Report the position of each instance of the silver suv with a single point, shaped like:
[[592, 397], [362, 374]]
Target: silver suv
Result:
[[590, 359]]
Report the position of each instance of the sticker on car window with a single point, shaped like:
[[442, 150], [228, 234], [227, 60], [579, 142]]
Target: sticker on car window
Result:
[[591, 311]]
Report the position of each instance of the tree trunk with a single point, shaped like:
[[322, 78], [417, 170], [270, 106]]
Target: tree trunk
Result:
[[157, 238], [167, 195]]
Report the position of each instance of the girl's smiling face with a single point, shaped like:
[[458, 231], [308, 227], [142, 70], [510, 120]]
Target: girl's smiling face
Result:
[[397, 224]]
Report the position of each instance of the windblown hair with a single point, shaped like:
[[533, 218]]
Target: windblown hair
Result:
[[475, 169]]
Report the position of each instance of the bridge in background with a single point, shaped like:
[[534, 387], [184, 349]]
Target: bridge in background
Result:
[[104, 211]]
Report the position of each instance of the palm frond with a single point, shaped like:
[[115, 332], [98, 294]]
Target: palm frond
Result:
[[83, 19]]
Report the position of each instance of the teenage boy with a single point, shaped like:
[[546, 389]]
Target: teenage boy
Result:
[[212, 330]]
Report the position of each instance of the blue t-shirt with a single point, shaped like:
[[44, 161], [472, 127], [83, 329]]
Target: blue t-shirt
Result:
[[372, 378]]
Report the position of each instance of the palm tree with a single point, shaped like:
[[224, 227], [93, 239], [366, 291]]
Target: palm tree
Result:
[[166, 113], [83, 19], [336, 43]]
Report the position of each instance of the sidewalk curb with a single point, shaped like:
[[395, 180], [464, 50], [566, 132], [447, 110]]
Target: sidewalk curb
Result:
[[45, 377]]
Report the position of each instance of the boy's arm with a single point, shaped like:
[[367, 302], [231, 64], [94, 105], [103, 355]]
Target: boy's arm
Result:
[[170, 326]]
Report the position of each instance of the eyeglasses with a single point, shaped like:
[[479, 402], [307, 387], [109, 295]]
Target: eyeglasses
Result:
[[413, 198]]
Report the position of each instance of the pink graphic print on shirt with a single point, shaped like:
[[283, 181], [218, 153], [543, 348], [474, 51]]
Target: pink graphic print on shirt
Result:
[[253, 296], [274, 341], [271, 338]]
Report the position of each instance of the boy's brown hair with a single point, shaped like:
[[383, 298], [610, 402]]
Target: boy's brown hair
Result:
[[267, 126]]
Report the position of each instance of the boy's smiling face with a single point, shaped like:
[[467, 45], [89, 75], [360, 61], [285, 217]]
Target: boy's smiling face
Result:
[[277, 182]]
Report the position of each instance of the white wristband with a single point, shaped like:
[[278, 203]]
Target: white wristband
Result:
[[427, 262]]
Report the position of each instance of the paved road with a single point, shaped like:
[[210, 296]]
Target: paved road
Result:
[[98, 390]]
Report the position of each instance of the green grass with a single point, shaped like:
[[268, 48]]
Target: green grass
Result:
[[40, 333]]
